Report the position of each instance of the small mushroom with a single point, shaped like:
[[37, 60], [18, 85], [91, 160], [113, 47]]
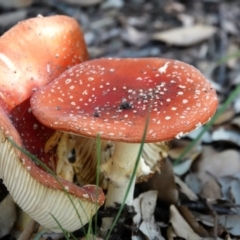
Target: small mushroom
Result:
[[114, 98], [43, 48]]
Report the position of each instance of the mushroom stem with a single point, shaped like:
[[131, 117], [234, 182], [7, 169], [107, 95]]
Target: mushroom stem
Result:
[[119, 169]]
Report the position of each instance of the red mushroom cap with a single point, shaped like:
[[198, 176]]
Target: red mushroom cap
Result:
[[36, 51], [33, 53], [113, 97]]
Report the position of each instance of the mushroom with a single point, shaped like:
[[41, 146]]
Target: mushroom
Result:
[[77, 157], [114, 97], [44, 48]]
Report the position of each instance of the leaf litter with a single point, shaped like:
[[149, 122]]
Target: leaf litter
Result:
[[199, 197]]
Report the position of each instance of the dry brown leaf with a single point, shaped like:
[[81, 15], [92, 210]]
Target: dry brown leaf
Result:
[[218, 165], [186, 19], [225, 183], [180, 226], [183, 187], [175, 152], [15, 3], [183, 167], [232, 62], [144, 206], [193, 183], [234, 190], [236, 121], [185, 36], [188, 216], [163, 183], [224, 117], [174, 7], [29, 230], [211, 190], [231, 223], [11, 18], [171, 235], [222, 134], [135, 37]]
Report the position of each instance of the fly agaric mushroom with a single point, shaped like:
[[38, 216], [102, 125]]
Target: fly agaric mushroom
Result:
[[44, 48], [114, 97]]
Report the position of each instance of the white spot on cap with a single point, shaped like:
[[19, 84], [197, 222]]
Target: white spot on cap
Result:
[[163, 69], [67, 81], [48, 68], [179, 135], [167, 118]]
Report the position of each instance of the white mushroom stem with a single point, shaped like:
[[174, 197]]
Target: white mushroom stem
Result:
[[119, 169]]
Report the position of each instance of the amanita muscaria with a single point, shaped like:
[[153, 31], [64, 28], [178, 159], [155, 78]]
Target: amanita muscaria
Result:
[[32, 54], [114, 97]]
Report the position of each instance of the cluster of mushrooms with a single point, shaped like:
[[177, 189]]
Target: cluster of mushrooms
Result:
[[55, 102]]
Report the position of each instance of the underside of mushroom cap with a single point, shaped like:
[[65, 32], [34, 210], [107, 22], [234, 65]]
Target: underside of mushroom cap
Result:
[[40, 194], [114, 97]]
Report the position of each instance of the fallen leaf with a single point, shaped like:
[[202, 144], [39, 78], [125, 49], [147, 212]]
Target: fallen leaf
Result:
[[223, 134], [185, 36], [190, 219], [234, 191], [11, 18], [211, 190], [163, 183], [183, 187], [134, 36], [182, 167], [225, 183], [180, 226], [15, 3], [227, 115], [218, 165], [144, 206], [231, 223], [236, 121], [206, 137], [192, 181]]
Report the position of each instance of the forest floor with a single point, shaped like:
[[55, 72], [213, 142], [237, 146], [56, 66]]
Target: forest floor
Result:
[[197, 197]]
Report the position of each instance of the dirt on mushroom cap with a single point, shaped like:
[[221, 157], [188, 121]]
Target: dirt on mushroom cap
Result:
[[113, 97]]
